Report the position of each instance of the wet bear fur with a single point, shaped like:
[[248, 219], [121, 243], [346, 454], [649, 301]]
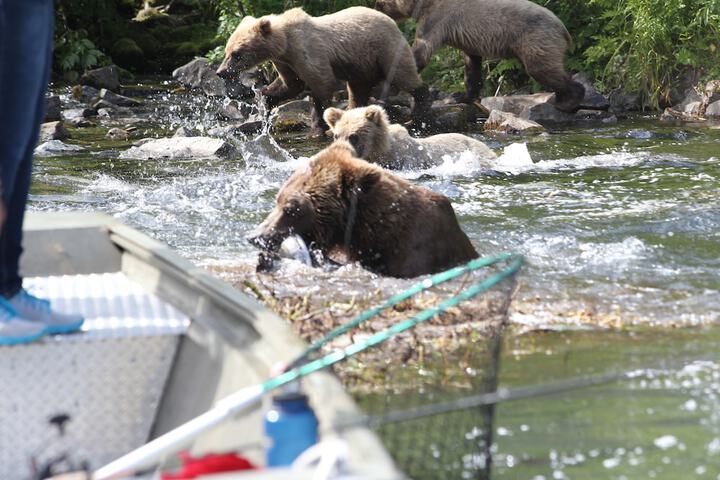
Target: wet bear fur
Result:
[[390, 226], [358, 45], [376, 140], [493, 29]]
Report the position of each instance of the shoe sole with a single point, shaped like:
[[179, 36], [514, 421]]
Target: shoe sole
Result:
[[21, 340], [58, 329]]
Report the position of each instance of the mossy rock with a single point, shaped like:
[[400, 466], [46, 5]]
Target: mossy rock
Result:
[[188, 48], [127, 53]]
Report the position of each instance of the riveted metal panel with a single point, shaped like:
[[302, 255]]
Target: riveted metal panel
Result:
[[109, 378]]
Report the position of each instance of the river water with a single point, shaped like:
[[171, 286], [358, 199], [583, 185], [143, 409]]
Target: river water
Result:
[[619, 223], [620, 226]]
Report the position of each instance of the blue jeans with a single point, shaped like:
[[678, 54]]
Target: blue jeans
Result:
[[26, 39]]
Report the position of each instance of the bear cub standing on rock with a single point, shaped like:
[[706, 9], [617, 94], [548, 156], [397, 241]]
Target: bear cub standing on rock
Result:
[[382, 221], [376, 140], [493, 29], [358, 45]]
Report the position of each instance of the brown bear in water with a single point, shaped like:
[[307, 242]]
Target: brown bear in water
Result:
[[358, 45], [388, 225], [493, 29], [376, 140]]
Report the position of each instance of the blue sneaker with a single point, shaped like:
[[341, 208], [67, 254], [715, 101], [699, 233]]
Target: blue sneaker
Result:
[[15, 330], [38, 310]]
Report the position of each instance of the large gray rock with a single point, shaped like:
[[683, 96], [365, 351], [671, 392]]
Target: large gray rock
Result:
[[85, 93], [621, 101], [291, 116], [515, 103], [234, 110], [713, 110], [592, 100], [53, 109], [691, 108], [712, 91], [237, 129], [690, 102], [105, 77], [116, 99], [200, 74], [508, 122], [681, 84], [71, 113], [80, 122], [246, 128], [214, 86], [192, 74], [452, 117], [545, 113], [56, 147], [181, 148], [53, 131]]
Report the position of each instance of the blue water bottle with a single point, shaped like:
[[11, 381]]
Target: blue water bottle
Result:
[[291, 426]]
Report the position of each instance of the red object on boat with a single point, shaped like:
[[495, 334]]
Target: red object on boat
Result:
[[193, 467]]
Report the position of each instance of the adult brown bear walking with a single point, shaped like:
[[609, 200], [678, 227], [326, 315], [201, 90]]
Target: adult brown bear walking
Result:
[[380, 220], [358, 45], [493, 29]]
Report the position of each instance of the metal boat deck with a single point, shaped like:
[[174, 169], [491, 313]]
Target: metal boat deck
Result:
[[162, 342]]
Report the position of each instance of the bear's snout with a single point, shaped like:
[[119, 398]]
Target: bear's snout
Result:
[[223, 72], [267, 240]]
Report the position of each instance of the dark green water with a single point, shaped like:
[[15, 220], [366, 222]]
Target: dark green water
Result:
[[662, 423], [620, 225]]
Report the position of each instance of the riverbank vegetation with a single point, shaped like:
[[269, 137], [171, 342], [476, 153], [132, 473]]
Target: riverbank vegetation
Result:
[[653, 48]]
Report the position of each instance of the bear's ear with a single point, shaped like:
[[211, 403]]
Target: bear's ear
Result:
[[375, 114], [263, 27], [332, 115]]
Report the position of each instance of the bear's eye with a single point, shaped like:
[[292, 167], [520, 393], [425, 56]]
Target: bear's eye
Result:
[[353, 139], [335, 136]]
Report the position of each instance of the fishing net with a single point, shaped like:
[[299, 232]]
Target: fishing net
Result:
[[413, 386]]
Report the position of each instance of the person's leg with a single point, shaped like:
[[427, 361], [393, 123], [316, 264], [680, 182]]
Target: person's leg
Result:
[[13, 148], [25, 56]]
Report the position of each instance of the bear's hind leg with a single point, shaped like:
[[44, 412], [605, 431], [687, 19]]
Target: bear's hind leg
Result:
[[568, 98], [358, 94], [473, 79], [568, 93], [421, 114], [318, 127]]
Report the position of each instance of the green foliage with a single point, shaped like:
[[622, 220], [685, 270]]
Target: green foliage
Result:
[[642, 45], [75, 52], [445, 71]]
